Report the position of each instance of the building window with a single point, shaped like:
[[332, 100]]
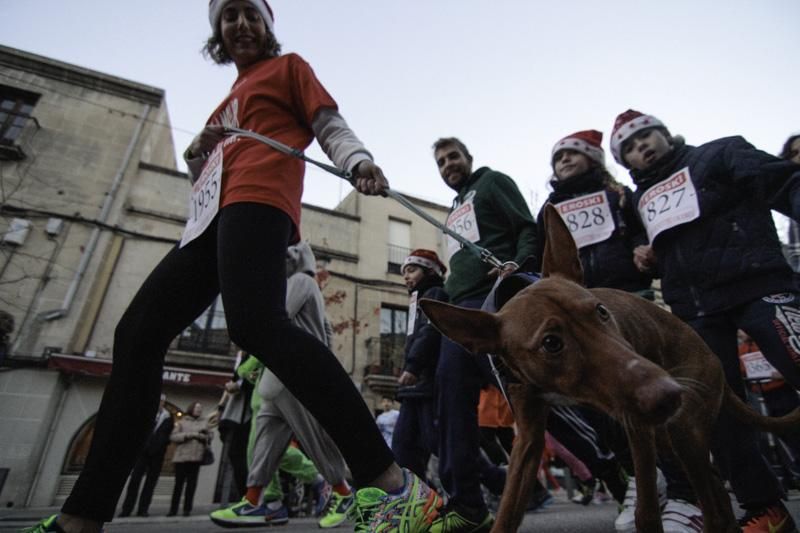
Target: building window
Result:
[[208, 333], [16, 106], [399, 244], [393, 338]]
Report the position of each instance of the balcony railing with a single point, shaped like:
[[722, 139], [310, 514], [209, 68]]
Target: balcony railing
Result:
[[397, 254]]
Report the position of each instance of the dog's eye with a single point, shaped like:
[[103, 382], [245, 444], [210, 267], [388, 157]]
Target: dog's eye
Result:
[[552, 344], [602, 312]]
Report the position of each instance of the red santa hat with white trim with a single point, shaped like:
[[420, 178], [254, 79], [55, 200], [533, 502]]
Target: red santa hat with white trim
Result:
[[215, 12], [586, 142], [628, 123], [427, 259]]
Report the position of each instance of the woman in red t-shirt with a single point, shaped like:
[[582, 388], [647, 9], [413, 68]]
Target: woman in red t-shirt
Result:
[[245, 212]]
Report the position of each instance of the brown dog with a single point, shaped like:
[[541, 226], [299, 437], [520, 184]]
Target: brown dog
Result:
[[618, 353]]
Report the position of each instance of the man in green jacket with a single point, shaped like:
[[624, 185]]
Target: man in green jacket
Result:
[[489, 211]]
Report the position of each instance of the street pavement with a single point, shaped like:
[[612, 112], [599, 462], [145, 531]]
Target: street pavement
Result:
[[561, 517]]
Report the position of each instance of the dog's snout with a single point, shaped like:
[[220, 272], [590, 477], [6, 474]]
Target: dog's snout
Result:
[[659, 399]]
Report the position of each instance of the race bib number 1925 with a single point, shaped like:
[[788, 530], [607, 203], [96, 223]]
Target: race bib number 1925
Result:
[[204, 202]]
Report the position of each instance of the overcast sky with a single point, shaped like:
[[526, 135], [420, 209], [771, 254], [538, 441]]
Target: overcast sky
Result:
[[509, 77]]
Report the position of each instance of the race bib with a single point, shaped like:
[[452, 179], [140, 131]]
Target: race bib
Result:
[[464, 222], [668, 204], [756, 367], [588, 218], [412, 312], [204, 202]]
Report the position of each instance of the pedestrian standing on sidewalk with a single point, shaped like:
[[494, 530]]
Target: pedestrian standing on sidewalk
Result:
[[193, 435], [236, 245], [148, 464]]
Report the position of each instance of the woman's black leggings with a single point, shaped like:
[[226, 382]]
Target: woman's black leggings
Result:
[[185, 473], [242, 256]]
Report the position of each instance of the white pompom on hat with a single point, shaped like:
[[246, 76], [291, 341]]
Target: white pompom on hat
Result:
[[586, 142], [626, 124], [215, 12]]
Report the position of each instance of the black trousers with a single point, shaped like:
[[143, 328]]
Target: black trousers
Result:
[[149, 467], [242, 256], [185, 473], [773, 323]]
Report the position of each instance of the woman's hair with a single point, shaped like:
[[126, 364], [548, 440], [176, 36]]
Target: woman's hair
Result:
[[786, 151], [214, 49], [190, 410]]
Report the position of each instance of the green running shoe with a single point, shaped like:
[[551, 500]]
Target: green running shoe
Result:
[[335, 511], [453, 522], [242, 514], [48, 524], [411, 511]]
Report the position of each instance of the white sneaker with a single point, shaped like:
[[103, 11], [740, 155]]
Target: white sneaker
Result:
[[626, 520], [680, 516]]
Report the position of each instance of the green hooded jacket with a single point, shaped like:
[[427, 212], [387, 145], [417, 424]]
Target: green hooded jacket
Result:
[[506, 228]]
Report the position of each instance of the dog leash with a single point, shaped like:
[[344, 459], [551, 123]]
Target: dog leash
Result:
[[485, 255]]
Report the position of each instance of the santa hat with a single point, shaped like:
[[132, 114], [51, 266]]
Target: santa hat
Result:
[[586, 142], [628, 123], [427, 259], [215, 11]]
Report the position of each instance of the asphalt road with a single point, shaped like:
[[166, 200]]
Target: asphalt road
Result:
[[561, 517]]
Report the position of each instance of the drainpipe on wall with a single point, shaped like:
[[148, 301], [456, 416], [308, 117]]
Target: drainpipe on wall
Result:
[[355, 329], [52, 422], [69, 298]]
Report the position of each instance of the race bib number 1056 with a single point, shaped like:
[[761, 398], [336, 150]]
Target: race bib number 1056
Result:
[[204, 202]]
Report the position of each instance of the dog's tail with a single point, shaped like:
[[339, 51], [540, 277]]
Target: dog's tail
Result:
[[789, 423]]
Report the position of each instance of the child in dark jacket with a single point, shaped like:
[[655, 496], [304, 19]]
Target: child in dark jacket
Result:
[[706, 210], [599, 213], [414, 435]]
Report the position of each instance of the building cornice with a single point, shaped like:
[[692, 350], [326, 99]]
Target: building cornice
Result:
[[80, 76]]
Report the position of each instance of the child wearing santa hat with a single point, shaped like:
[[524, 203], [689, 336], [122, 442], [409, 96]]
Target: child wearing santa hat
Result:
[[414, 438], [706, 210], [598, 212]]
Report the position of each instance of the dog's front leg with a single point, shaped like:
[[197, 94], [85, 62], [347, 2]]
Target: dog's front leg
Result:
[[643, 451], [530, 414]]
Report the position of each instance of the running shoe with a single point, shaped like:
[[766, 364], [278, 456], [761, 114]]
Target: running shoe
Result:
[[626, 521], [454, 522], [321, 491], [242, 514], [411, 511], [680, 516], [277, 516], [335, 511], [47, 525], [772, 519]]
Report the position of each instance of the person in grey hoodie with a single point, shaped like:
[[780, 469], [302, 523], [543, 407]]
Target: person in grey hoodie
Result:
[[281, 416]]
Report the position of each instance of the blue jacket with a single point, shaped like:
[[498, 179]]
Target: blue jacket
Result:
[[731, 253]]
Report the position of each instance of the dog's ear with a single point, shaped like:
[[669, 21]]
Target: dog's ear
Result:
[[477, 331], [560, 252]]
